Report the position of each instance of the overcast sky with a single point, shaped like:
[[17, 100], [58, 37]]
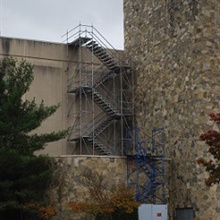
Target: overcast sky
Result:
[[48, 20]]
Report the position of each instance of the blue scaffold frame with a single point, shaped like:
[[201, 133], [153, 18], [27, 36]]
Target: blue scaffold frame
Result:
[[146, 170]]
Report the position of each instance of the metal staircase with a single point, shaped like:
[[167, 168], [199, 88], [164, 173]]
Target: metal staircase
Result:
[[100, 148], [111, 114], [92, 84], [149, 164], [105, 123], [107, 106], [103, 56], [99, 78], [104, 104], [98, 51]]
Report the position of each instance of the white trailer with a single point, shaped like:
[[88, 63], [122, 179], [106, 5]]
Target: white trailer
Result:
[[152, 212]]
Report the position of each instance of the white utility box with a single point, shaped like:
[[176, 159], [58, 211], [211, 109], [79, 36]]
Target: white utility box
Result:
[[152, 212]]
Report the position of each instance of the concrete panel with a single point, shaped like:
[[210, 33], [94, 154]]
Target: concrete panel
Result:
[[50, 81]]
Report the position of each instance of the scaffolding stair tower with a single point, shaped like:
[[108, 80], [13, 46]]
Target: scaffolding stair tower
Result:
[[94, 87], [146, 166]]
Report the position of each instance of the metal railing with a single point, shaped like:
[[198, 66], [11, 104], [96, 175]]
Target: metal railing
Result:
[[91, 32], [82, 128]]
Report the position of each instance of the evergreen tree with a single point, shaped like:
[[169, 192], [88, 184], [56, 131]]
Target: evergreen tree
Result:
[[17, 117], [24, 177]]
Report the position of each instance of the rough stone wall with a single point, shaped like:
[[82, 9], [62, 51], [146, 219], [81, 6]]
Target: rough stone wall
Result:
[[175, 46], [67, 172]]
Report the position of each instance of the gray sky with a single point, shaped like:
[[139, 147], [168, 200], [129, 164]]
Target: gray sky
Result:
[[48, 20]]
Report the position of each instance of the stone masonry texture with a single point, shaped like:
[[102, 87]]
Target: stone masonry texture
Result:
[[66, 186], [175, 48]]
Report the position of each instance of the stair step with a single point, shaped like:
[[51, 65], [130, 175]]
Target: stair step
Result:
[[98, 48], [79, 41], [102, 150], [99, 100], [91, 43], [103, 104], [94, 48], [103, 56], [101, 128], [106, 59], [100, 52], [114, 68], [110, 110], [111, 65]]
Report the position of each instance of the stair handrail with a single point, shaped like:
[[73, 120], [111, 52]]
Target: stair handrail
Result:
[[99, 73], [134, 145], [71, 79], [78, 79], [96, 122], [114, 104], [86, 127], [75, 35], [103, 125], [127, 110], [102, 139], [85, 75], [110, 50], [72, 35], [73, 127], [78, 126], [66, 35], [100, 145]]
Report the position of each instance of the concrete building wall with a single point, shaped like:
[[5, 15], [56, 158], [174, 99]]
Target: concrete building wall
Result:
[[50, 62], [54, 64], [175, 45], [59, 68]]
